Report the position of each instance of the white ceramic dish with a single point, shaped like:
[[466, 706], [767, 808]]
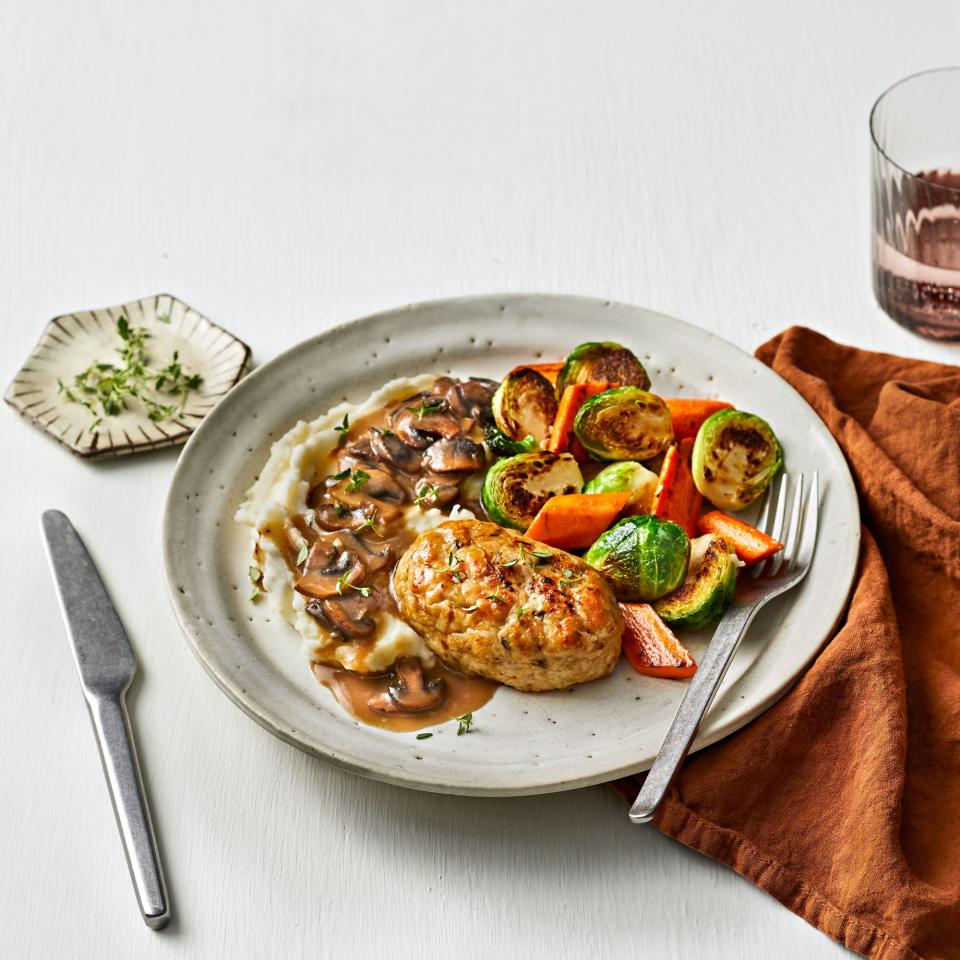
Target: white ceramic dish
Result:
[[73, 341], [523, 743]]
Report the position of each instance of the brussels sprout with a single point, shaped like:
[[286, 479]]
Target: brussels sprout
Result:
[[735, 456], [642, 557], [525, 405], [627, 476], [626, 423], [515, 489], [707, 589], [502, 446], [602, 363]]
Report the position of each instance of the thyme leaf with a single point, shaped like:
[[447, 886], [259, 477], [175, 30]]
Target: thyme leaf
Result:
[[428, 406], [343, 430], [357, 479]]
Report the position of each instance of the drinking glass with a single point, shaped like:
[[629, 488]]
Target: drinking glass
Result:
[[915, 126]]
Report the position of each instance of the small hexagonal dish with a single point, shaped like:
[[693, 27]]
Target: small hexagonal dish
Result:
[[73, 342]]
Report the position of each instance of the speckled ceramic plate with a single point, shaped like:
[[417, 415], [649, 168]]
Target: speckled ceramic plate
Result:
[[73, 341], [523, 743]]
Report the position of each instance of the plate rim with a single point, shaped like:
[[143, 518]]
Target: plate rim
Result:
[[398, 776]]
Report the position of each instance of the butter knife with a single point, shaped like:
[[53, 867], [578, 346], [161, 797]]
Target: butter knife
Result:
[[107, 666]]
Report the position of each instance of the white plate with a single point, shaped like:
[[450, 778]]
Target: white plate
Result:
[[523, 743]]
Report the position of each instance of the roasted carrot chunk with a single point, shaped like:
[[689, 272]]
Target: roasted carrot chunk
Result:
[[689, 414], [573, 521], [750, 544], [550, 370], [677, 497], [651, 647], [562, 439]]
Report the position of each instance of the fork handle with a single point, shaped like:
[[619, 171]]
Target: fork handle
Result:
[[695, 703]]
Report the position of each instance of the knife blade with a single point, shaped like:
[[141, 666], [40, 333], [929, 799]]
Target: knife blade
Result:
[[107, 665]]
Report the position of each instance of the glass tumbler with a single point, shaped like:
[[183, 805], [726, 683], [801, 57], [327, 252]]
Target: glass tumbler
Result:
[[915, 127]]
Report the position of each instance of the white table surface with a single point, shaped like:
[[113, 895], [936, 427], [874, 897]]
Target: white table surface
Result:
[[286, 166]]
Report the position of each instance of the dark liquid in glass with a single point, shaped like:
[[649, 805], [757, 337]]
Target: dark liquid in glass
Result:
[[917, 280]]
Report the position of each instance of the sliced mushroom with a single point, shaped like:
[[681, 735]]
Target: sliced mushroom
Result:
[[454, 455], [348, 616], [323, 552], [331, 515], [387, 447], [410, 691], [449, 389], [475, 396], [354, 501], [380, 483], [361, 449], [326, 572], [437, 491], [372, 560], [421, 419]]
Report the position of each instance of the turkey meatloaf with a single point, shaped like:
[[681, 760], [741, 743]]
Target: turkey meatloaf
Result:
[[492, 602]]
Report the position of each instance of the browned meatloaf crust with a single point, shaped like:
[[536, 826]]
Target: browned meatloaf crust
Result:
[[492, 602]]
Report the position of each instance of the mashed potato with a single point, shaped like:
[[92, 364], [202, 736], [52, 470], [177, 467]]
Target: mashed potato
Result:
[[298, 460]]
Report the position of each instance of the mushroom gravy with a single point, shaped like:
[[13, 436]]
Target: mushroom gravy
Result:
[[355, 692], [337, 504]]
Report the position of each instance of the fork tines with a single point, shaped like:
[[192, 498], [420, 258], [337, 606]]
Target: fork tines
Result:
[[798, 532]]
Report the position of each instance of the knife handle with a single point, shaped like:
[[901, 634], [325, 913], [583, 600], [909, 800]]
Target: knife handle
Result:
[[119, 756]]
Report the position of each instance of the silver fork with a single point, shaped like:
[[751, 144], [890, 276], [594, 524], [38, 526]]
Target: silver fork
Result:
[[767, 579]]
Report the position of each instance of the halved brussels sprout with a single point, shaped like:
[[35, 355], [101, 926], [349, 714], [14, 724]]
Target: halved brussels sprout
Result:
[[735, 456], [708, 587], [515, 489], [626, 423], [627, 476], [502, 446], [602, 363], [525, 405], [643, 557]]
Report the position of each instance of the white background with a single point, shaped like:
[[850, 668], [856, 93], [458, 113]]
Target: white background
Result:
[[286, 166]]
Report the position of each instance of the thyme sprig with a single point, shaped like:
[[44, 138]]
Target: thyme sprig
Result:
[[495, 597], [357, 479], [343, 430], [427, 492], [343, 585], [526, 556], [107, 389], [371, 521], [453, 561]]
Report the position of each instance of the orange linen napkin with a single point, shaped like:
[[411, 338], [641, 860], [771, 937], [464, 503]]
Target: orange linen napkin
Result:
[[843, 800]]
